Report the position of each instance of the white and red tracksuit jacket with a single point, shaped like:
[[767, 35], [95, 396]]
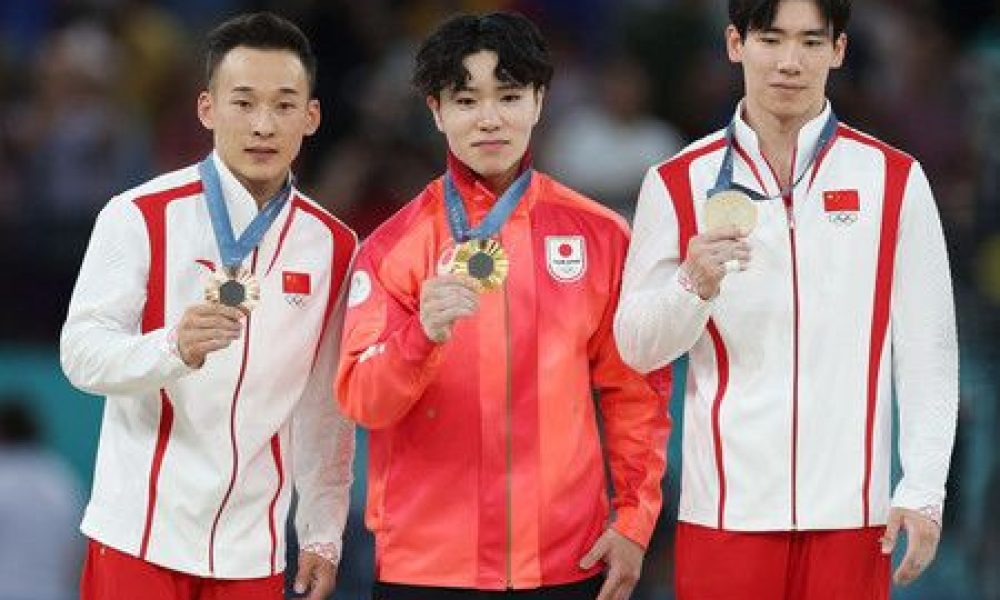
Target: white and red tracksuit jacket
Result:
[[847, 299], [195, 468]]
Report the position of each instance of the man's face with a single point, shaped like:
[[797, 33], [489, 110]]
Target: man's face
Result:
[[259, 108], [487, 122], [785, 66]]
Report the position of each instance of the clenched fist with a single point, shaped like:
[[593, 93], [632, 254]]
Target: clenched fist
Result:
[[714, 253], [205, 328], [443, 300]]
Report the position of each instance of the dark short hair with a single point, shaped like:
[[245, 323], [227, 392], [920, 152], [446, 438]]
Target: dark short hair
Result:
[[758, 15], [522, 54], [260, 31]]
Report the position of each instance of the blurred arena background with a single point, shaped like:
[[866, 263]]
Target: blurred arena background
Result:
[[97, 96]]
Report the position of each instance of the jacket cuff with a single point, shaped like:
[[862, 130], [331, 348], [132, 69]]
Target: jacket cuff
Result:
[[630, 523], [917, 500], [173, 366]]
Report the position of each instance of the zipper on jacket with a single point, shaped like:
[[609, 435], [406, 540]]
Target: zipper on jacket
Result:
[[510, 447], [232, 433], [790, 214]]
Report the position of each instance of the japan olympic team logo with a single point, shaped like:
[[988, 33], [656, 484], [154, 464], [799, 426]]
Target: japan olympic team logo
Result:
[[361, 288], [566, 257]]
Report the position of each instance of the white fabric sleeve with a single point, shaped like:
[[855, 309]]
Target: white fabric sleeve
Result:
[[924, 349], [657, 319], [323, 449], [101, 348]]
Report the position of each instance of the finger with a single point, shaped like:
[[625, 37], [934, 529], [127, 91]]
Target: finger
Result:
[[728, 232], [908, 571], [740, 255], [449, 315], [891, 532], [305, 575], [199, 336], [436, 305], [596, 552], [322, 585], [611, 586], [202, 349], [911, 565], [625, 590], [211, 309], [210, 322]]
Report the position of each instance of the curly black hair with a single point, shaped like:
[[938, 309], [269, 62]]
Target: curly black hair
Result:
[[260, 31], [757, 15], [522, 54]]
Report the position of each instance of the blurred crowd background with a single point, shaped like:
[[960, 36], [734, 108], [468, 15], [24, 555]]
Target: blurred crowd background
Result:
[[97, 96]]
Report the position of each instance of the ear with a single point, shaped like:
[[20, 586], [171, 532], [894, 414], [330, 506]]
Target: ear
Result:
[[205, 110], [539, 101], [435, 107], [734, 44], [839, 49], [313, 116]]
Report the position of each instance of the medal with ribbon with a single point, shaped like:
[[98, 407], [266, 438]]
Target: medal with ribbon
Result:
[[233, 284], [478, 254], [730, 203]]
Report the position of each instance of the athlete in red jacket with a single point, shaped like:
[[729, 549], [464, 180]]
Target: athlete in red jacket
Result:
[[472, 353]]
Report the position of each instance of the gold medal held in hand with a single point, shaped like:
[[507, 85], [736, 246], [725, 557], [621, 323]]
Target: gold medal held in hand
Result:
[[483, 260], [730, 208], [233, 287]]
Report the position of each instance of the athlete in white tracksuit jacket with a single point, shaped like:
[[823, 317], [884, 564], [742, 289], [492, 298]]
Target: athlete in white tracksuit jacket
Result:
[[213, 417], [838, 297]]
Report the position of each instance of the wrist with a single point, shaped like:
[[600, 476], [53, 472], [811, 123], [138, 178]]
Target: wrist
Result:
[[173, 344], [327, 552], [931, 512], [690, 285]]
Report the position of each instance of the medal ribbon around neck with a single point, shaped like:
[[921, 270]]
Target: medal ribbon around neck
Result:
[[233, 285], [495, 218], [724, 181], [476, 254]]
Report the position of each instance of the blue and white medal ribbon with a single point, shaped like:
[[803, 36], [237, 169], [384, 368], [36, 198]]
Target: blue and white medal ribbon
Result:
[[730, 203], [234, 285], [477, 253]]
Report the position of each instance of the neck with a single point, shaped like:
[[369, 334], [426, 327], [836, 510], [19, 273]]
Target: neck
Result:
[[263, 192], [778, 135], [498, 184]]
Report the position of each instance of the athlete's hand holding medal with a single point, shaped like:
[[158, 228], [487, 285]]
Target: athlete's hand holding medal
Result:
[[477, 265], [730, 215], [232, 290]]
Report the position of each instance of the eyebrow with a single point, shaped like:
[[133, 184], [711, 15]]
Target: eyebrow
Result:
[[503, 86], [246, 89], [807, 33]]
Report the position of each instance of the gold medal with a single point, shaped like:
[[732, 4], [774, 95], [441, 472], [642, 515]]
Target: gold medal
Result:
[[233, 287], [728, 208], [483, 260]]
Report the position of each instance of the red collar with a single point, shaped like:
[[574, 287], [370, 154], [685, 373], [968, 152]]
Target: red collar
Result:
[[472, 185]]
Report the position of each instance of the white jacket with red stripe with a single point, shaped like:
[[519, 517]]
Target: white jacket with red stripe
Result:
[[195, 468], [847, 299]]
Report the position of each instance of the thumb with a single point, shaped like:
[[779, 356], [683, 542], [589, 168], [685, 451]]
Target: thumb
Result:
[[597, 551], [891, 531]]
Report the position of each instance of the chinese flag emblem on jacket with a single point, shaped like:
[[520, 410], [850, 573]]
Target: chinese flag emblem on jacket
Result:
[[296, 283]]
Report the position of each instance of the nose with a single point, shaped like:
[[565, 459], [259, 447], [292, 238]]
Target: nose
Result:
[[790, 60], [263, 123], [489, 116]]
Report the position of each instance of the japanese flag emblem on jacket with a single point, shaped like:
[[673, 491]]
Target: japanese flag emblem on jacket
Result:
[[565, 256]]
